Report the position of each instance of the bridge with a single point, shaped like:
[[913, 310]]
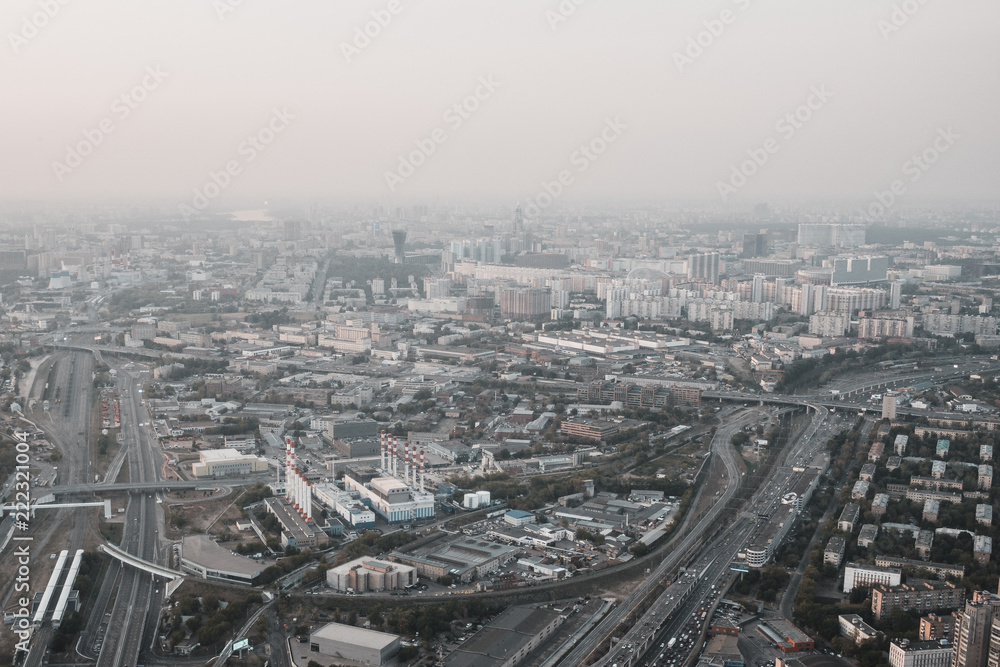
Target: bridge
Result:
[[145, 565], [162, 485], [114, 349]]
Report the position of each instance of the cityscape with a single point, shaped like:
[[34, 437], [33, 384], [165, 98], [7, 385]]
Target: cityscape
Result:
[[500, 335]]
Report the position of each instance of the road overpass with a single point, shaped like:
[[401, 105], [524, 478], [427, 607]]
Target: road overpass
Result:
[[163, 485]]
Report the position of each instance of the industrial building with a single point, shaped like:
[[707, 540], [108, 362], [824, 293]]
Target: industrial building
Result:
[[228, 463], [462, 557], [345, 504], [202, 557], [370, 574], [785, 636], [357, 645], [508, 639], [397, 495]]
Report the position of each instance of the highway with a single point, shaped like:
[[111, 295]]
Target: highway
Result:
[[123, 636], [722, 447], [676, 615]]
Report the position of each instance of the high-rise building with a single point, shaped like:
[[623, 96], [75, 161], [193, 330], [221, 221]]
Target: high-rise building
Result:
[[859, 270], [704, 266], [839, 236], [972, 632], [293, 230], [754, 245], [525, 303], [889, 405], [437, 288], [895, 295], [758, 288]]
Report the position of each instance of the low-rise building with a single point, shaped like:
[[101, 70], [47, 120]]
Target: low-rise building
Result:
[[370, 574], [854, 628], [982, 548], [942, 570], [204, 558], [856, 574], [354, 644], [849, 517], [834, 552], [880, 504], [867, 536], [227, 463], [984, 514], [785, 636]]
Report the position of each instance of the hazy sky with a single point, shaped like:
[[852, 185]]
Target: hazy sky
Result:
[[673, 126]]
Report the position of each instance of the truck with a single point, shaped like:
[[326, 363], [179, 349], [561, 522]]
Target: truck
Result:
[[672, 642]]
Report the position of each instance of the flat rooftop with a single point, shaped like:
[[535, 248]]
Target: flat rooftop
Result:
[[353, 635], [202, 550]]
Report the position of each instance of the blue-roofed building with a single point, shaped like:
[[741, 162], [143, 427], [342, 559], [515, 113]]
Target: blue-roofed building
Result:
[[943, 447]]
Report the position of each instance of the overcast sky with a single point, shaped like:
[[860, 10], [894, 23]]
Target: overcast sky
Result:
[[892, 85]]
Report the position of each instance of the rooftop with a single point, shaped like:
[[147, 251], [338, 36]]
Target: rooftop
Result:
[[204, 551], [358, 636]]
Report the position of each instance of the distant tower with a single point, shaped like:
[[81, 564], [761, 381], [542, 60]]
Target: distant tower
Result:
[[895, 295], [399, 241]]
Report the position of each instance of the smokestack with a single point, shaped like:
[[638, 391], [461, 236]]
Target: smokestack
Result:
[[382, 456], [395, 457], [422, 459], [309, 502], [406, 462], [399, 242]]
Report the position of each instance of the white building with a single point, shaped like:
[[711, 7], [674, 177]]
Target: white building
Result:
[[904, 653], [393, 499], [869, 575]]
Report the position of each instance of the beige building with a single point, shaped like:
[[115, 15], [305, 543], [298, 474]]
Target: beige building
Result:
[[227, 463]]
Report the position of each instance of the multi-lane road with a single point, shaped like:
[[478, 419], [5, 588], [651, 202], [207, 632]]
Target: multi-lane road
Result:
[[722, 447], [127, 631]]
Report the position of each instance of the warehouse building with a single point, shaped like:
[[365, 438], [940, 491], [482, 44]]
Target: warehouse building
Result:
[[508, 639], [358, 645]]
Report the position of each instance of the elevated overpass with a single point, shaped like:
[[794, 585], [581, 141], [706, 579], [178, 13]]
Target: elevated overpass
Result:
[[145, 565], [139, 487]]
